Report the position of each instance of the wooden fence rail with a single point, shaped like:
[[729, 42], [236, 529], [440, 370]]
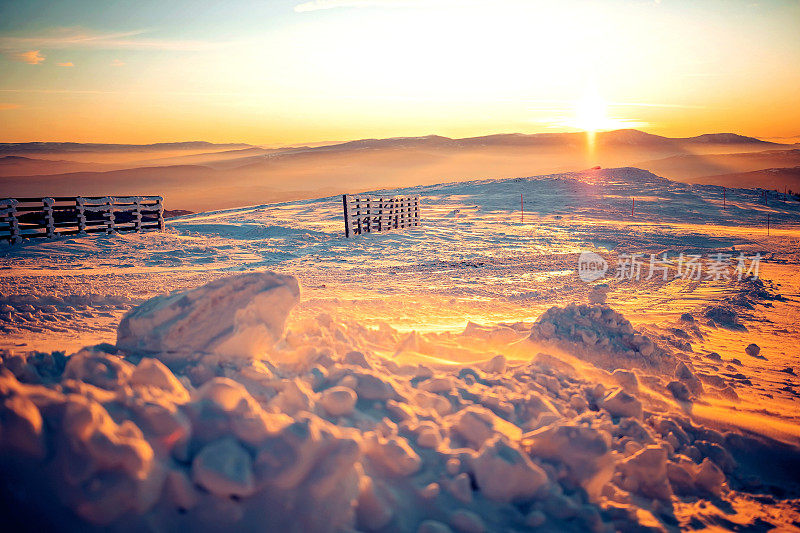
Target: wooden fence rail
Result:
[[365, 214], [26, 218]]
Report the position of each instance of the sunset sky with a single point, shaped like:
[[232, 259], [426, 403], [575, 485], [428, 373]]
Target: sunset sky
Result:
[[282, 72]]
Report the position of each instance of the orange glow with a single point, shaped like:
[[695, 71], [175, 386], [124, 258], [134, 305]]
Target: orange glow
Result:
[[271, 74]]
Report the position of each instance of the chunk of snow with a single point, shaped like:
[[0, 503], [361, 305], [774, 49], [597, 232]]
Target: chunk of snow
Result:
[[98, 368], [239, 317], [224, 468], [21, 426], [580, 447], [645, 473], [709, 477], [504, 474], [373, 512], [679, 390], [598, 334], [467, 522], [338, 401], [620, 403], [153, 373], [626, 379], [433, 526]]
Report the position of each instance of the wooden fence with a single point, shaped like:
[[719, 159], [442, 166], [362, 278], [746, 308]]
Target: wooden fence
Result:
[[365, 214], [50, 217]]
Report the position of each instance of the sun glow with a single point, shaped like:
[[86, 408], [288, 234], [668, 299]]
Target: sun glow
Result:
[[590, 113]]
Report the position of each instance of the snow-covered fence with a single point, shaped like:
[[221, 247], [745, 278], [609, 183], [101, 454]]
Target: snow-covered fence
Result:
[[48, 217], [366, 214]]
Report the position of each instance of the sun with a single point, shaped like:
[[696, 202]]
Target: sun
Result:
[[590, 113]]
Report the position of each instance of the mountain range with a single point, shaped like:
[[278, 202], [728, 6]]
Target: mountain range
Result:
[[199, 175]]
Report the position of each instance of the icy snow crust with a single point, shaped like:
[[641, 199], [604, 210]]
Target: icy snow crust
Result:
[[234, 404], [319, 433]]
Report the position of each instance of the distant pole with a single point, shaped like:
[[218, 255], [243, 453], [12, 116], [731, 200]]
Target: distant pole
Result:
[[633, 205], [723, 198], [521, 210], [768, 224]]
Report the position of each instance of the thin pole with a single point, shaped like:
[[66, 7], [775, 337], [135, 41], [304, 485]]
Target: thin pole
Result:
[[633, 205], [346, 217], [521, 210], [723, 198], [767, 224]]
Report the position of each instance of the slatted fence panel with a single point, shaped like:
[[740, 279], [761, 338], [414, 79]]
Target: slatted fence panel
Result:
[[25, 218], [367, 214]]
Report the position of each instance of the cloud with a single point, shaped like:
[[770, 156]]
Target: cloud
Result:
[[317, 5], [32, 57], [5, 107], [61, 38], [67, 64], [117, 63]]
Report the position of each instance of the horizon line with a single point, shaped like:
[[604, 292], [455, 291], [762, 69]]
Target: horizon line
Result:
[[343, 141]]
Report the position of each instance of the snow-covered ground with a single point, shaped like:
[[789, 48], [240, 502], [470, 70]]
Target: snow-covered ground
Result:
[[457, 375]]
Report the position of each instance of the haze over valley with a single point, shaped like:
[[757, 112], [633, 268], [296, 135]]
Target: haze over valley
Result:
[[202, 176]]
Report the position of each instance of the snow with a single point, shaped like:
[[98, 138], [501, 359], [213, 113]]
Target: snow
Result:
[[453, 377], [224, 469], [240, 317]]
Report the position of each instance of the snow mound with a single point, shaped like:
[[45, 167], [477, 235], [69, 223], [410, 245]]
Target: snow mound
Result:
[[238, 317], [600, 335], [325, 431]]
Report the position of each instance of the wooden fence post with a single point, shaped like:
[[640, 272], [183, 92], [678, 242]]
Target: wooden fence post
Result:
[[160, 203], [48, 217], [137, 214], [368, 218], [346, 217], [81, 208], [8, 209], [108, 204]]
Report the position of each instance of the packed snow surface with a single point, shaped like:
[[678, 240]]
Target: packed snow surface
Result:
[[454, 377]]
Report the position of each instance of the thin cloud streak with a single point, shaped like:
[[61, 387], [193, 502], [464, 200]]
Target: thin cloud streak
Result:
[[6, 107], [61, 38]]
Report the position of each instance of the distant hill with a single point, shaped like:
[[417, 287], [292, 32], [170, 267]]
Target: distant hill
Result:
[[726, 138], [627, 140], [769, 178], [58, 147], [204, 176], [688, 166], [15, 165]]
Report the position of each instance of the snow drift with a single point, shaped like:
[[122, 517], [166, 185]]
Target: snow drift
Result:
[[199, 420]]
